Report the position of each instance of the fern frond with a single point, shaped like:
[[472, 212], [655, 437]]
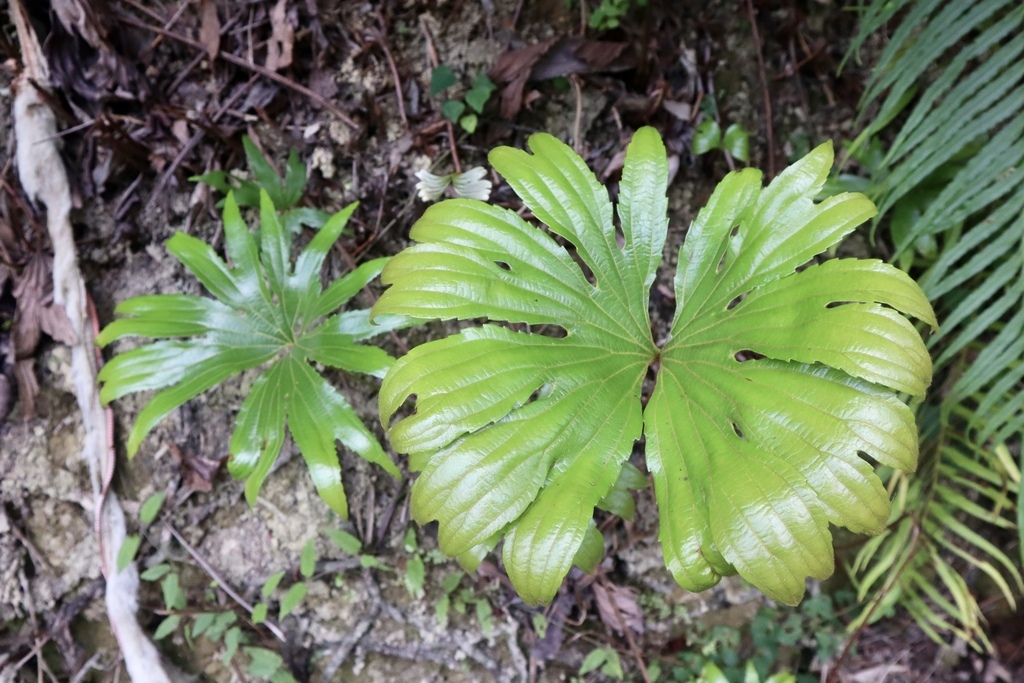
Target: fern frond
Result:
[[932, 557], [952, 76]]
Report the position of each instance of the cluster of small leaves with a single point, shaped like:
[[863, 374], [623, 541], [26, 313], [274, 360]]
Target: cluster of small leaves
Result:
[[708, 137], [712, 674], [267, 314], [214, 626], [603, 659], [775, 639], [130, 546], [295, 593], [610, 13], [454, 597], [353, 546], [285, 192], [442, 78]]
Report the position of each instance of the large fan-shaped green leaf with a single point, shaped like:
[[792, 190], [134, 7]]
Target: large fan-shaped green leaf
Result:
[[266, 311], [772, 384]]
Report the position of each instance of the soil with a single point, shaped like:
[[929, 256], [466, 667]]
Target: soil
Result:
[[362, 622]]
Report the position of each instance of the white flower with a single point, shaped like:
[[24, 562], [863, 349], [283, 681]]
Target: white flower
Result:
[[471, 184]]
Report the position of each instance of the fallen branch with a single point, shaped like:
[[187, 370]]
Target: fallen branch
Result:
[[45, 181]]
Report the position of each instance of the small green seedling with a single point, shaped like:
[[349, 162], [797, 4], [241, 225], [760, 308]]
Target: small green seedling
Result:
[[455, 110], [267, 315], [609, 13], [284, 192], [774, 380], [604, 659], [708, 137]]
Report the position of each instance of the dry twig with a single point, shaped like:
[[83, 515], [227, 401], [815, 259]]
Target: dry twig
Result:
[[764, 87], [251, 66]]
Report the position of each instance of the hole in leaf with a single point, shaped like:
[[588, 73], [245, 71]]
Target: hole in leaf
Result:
[[868, 459], [736, 301], [721, 262], [541, 392], [407, 408], [503, 265], [837, 304], [735, 230], [736, 428], [746, 354], [587, 272], [553, 331]]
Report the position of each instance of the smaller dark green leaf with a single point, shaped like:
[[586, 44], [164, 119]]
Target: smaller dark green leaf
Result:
[[340, 291], [593, 660], [220, 623], [345, 541], [174, 598], [540, 625], [231, 641], [371, 562], [167, 627], [451, 582], [613, 667], [468, 123], [151, 507], [271, 584], [291, 599], [263, 662], [202, 623], [482, 82], [215, 179], [266, 176], [308, 561], [591, 550], [441, 78], [259, 613], [294, 181], [295, 219], [737, 142], [247, 194], [409, 541], [477, 98], [415, 573], [707, 137], [126, 553], [441, 611], [453, 109], [484, 613], [156, 572]]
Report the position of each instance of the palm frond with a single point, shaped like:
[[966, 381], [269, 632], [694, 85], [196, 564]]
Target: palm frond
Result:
[[950, 85]]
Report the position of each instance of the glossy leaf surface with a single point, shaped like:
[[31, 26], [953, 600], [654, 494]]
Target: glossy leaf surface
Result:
[[770, 385], [267, 314]]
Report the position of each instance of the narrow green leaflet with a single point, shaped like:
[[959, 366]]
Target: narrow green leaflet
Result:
[[771, 386], [266, 314]]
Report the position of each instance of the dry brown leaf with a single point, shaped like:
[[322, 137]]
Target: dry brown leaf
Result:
[[196, 470], [89, 59], [28, 387], [559, 56], [209, 28], [282, 40], [617, 606]]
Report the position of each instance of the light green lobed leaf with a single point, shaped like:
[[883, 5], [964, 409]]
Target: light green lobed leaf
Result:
[[267, 314], [771, 386]]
